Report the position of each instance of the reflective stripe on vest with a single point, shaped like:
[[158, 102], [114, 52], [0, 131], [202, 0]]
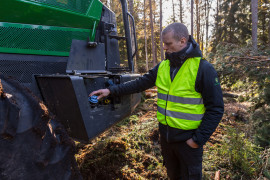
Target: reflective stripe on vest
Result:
[[180, 115], [180, 99], [179, 104]]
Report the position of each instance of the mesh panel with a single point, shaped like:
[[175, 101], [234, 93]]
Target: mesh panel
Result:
[[44, 40], [79, 6], [23, 70]]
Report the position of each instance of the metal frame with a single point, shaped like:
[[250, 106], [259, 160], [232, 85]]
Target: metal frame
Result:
[[127, 34]]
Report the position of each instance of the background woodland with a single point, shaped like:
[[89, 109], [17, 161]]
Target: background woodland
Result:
[[234, 35]]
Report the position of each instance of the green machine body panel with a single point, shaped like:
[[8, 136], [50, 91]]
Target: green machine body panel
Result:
[[54, 22], [63, 50]]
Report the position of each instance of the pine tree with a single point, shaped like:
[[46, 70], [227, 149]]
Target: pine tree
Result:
[[233, 22], [160, 30], [254, 10]]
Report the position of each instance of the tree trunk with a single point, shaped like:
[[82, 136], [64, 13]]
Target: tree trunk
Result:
[[152, 33], [173, 11], [263, 27], [217, 20], [160, 29], [207, 21], [131, 10], [205, 16], [201, 38], [145, 37], [155, 45], [198, 20], [269, 33], [191, 23], [181, 11], [254, 10]]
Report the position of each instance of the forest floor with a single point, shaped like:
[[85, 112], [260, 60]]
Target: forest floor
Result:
[[131, 150]]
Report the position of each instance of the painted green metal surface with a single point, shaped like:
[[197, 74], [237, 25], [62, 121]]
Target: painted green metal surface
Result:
[[37, 39], [43, 12], [46, 27]]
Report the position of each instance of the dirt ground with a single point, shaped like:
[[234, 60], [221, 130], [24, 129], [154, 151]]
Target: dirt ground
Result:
[[130, 150]]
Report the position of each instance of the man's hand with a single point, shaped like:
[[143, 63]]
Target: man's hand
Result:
[[191, 143], [101, 93]]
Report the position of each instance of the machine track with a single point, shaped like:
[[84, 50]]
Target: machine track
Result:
[[33, 145]]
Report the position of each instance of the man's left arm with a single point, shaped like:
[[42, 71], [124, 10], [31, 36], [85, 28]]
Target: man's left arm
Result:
[[207, 83]]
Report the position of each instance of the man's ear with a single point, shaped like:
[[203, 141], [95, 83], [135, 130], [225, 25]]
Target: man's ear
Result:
[[183, 40]]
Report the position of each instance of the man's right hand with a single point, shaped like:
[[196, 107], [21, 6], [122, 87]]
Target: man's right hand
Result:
[[101, 93]]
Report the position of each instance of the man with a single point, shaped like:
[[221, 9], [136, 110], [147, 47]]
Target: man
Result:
[[190, 103]]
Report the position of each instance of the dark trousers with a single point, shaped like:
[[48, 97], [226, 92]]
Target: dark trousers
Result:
[[182, 161]]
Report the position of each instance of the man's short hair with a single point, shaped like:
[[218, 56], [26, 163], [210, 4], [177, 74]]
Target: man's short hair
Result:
[[179, 31]]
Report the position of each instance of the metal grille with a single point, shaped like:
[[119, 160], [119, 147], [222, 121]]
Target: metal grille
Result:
[[23, 70], [79, 6], [45, 41]]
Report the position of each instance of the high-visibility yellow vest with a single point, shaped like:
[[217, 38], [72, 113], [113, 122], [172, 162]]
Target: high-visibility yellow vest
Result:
[[179, 104]]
